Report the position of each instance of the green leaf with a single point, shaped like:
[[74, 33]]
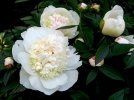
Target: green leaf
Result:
[[119, 49], [20, 1], [91, 76], [79, 95], [130, 61], [129, 21], [81, 47], [119, 95], [111, 72], [86, 55], [2, 67], [102, 52], [88, 36], [11, 86], [18, 89], [67, 27], [26, 18], [73, 3], [7, 75]]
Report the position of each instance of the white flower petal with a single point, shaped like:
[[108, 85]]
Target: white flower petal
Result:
[[49, 8], [72, 18], [23, 58], [130, 38], [24, 79], [23, 34], [75, 16], [54, 83], [74, 59], [33, 34], [17, 48], [116, 11], [122, 40], [72, 78], [114, 27], [36, 83]]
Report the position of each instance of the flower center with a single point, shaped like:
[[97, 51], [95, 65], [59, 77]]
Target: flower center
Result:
[[48, 58], [56, 20]]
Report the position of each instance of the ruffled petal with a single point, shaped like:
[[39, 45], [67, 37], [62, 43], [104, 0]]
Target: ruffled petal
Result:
[[17, 48], [33, 34], [74, 59], [72, 78], [23, 58], [75, 16], [54, 83], [36, 83], [24, 79]]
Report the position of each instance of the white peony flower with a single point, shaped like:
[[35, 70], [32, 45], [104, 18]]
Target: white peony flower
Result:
[[114, 24], [58, 17], [48, 63]]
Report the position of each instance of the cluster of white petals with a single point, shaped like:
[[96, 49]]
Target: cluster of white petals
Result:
[[48, 63], [114, 24], [58, 17]]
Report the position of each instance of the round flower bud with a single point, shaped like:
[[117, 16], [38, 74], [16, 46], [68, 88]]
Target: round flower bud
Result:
[[8, 62], [92, 62], [95, 6], [114, 24], [82, 6]]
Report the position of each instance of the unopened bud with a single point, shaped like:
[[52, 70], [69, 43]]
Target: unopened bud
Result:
[[82, 6], [92, 62], [95, 6], [8, 62]]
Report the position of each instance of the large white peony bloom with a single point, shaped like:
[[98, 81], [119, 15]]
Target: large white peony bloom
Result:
[[58, 17], [48, 63], [114, 24]]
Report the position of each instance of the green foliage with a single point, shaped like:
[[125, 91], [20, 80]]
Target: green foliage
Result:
[[94, 44], [102, 52], [130, 61], [111, 73], [91, 76], [119, 95], [79, 95]]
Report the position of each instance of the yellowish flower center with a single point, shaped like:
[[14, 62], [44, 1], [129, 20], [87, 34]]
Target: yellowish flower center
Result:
[[56, 20], [48, 58]]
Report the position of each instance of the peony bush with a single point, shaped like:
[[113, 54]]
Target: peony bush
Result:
[[67, 49]]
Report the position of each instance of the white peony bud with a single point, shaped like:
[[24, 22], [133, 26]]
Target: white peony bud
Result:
[[83, 6], [114, 24], [8, 62], [95, 6], [92, 62]]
